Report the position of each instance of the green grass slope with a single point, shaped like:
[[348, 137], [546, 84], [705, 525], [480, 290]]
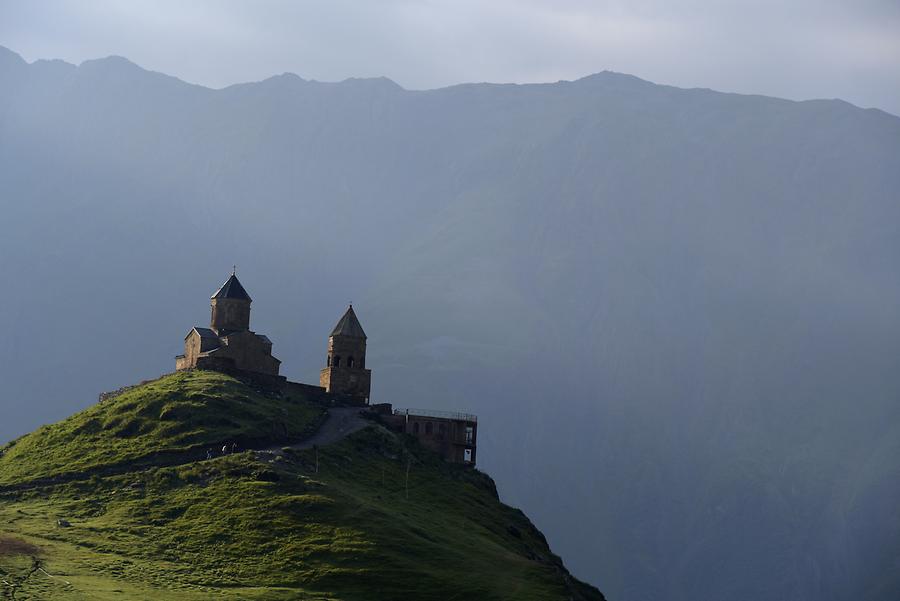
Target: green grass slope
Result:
[[374, 517], [186, 412]]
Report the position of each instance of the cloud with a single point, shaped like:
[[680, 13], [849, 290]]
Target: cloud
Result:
[[799, 49]]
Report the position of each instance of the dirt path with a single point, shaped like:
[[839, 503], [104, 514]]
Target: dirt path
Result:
[[341, 422]]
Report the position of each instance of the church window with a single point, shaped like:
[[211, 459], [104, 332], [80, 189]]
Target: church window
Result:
[[337, 361], [428, 428], [349, 361], [415, 427], [328, 361]]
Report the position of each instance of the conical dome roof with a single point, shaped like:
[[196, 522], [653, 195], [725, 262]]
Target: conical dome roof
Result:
[[349, 326], [232, 289]]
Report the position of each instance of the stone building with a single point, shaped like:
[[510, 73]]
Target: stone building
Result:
[[228, 343], [345, 370], [453, 435]]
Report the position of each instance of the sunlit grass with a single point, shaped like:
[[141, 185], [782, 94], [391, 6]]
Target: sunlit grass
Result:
[[197, 410], [343, 522]]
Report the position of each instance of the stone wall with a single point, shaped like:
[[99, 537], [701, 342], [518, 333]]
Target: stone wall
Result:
[[349, 381], [343, 350], [229, 314], [249, 353], [191, 352], [242, 350]]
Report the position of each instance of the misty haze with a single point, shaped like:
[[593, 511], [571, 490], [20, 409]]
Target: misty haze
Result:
[[676, 312]]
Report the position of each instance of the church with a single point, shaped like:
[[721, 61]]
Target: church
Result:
[[228, 342], [229, 345]]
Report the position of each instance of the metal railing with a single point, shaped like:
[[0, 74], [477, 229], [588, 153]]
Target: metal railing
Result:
[[465, 417]]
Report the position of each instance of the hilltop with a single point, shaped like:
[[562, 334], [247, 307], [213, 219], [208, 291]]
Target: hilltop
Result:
[[120, 502], [176, 418]]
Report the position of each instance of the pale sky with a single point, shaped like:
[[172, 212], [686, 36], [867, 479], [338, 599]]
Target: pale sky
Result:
[[797, 49]]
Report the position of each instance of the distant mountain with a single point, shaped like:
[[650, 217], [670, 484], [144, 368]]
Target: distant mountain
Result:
[[143, 512], [675, 311]]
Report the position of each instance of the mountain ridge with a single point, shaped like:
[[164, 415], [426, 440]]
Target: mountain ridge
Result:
[[600, 76]]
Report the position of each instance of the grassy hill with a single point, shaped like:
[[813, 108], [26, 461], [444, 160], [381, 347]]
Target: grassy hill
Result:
[[372, 517], [182, 413]]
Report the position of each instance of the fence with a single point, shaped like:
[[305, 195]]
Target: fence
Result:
[[465, 417]]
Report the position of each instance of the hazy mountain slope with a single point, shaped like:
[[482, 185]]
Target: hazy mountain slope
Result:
[[676, 311], [340, 523]]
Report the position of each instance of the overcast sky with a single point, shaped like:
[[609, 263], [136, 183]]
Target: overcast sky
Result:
[[796, 49]]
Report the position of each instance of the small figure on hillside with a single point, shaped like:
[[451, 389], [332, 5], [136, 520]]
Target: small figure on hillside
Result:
[[225, 449], [208, 454], [234, 447]]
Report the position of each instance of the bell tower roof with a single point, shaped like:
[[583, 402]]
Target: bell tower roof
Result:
[[349, 326], [232, 289]]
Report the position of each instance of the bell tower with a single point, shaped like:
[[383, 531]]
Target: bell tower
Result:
[[345, 370], [230, 308]]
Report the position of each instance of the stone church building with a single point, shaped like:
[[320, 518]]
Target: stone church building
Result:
[[229, 345]]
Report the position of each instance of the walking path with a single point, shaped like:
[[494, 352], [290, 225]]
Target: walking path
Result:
[[340, 423]]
